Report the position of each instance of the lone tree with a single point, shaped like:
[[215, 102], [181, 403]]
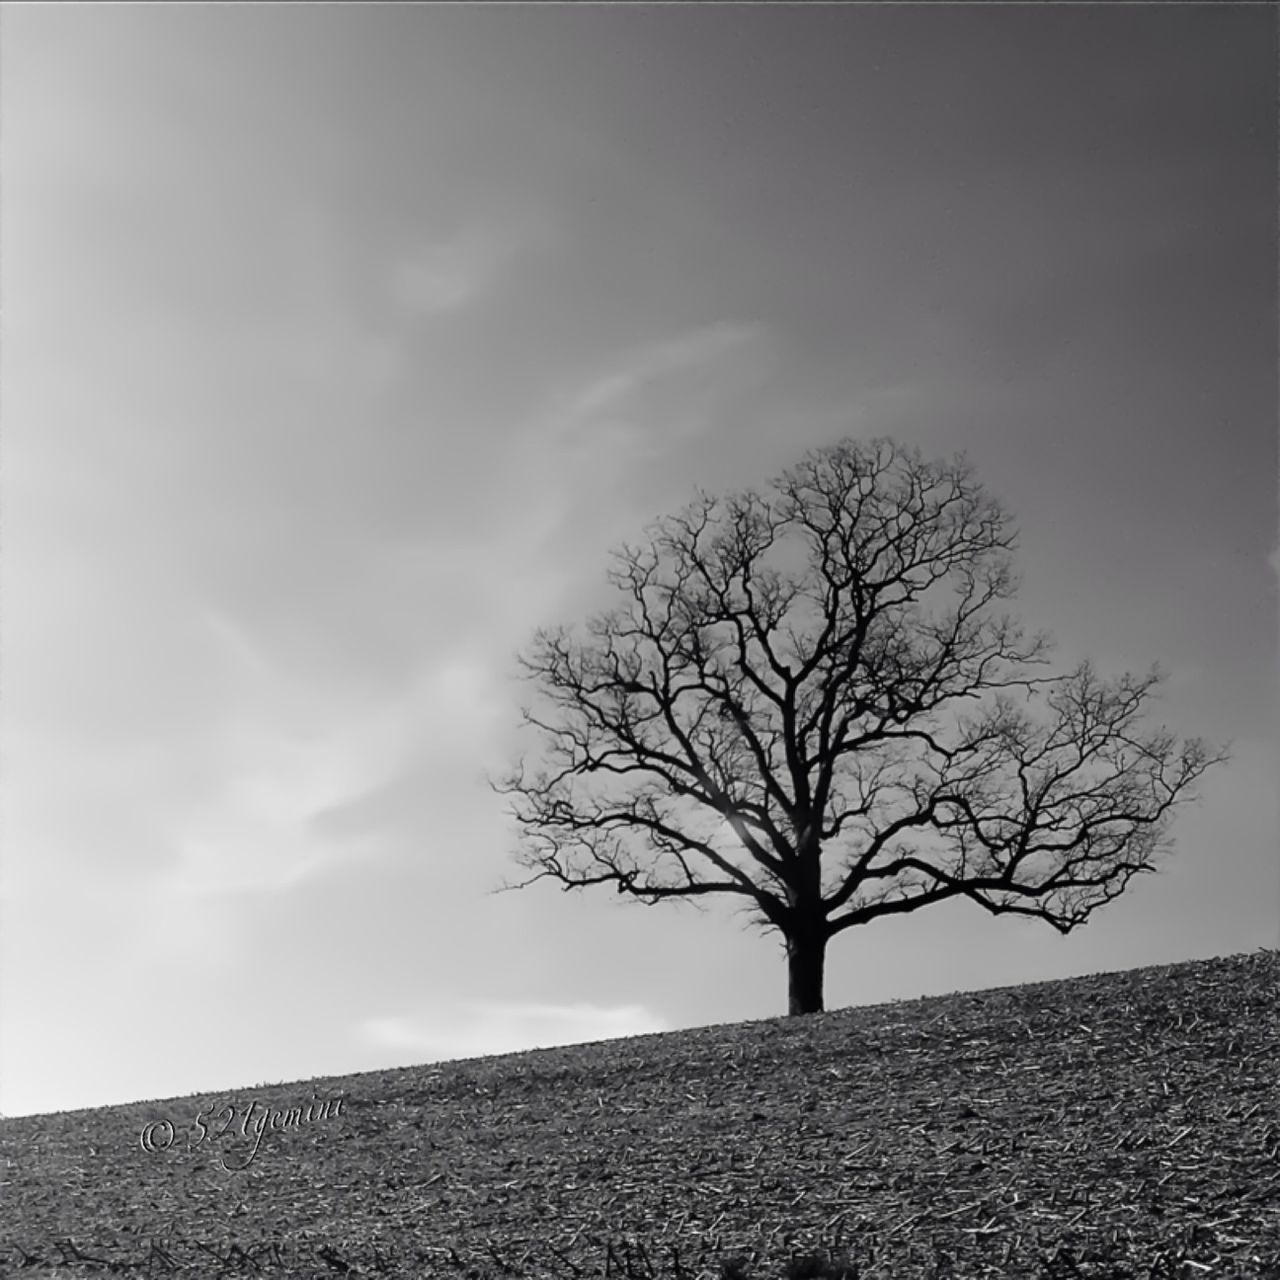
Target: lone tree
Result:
[[772, 714]]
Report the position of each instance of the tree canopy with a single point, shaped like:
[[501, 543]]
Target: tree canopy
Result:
[[773, 713]]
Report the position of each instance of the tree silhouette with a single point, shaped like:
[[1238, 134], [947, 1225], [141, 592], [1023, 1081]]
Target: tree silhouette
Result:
[[772, 714]]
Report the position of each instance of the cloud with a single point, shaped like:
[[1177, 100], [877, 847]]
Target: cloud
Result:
[[661, 360], [447, 274], [281, 784], [478, 1029], [592, 436], [596, 454], [449, 716]]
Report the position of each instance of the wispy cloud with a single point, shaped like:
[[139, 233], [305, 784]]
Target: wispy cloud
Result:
[[580, 456], [283, 781], [652, 363], [593, 434], [477, 1029], [444, 275]]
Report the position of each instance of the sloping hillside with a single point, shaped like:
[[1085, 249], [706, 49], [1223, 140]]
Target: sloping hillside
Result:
[[1124, 1124]]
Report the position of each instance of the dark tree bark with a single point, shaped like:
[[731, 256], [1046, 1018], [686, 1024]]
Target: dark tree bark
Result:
[[806, 962], [772, 714]]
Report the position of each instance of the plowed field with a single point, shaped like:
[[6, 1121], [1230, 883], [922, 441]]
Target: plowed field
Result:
[[1124, 1124]]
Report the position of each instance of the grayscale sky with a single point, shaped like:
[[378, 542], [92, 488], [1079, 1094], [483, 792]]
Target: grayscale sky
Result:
[[341, 344]]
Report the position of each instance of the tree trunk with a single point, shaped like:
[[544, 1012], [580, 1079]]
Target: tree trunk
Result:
[[806, 959]]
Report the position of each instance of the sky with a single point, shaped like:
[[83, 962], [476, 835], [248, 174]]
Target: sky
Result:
[[340, 344]]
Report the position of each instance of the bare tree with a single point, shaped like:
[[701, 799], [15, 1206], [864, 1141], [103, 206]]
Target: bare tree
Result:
[[771, 714]]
